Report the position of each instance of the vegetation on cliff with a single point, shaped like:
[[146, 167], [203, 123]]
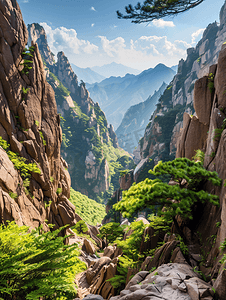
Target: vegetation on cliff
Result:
[[89, 210], [177, 199]]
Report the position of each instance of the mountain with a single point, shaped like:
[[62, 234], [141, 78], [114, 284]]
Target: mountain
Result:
[[116, 94], [89, 144], [135, 121], [114, 69], [34, 179], [161, 135], [87, 75]]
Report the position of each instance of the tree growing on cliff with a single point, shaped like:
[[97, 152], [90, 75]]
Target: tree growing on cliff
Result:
[[155, 9], [171, 200], [110, 232]]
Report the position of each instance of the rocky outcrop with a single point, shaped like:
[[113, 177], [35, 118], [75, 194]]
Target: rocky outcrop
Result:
[[169, 281], [31, 126]]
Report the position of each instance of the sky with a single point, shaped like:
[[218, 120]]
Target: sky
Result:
[[90, 34]]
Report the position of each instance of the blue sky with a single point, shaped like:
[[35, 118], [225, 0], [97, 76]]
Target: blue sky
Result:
[[90, 34]]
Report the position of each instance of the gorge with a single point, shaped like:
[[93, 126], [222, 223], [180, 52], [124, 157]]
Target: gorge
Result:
[[53, 136]]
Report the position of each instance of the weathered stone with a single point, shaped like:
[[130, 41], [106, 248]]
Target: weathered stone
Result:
[[109, 251], [220, 82], [88, 247], [202, 100], [219, 285], [95, 269], [195, 138]]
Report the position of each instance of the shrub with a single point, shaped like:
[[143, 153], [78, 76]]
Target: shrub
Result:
[[110, 232], [36, 264]]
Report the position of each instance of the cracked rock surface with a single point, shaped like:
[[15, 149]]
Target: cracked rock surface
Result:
[[169, 281]]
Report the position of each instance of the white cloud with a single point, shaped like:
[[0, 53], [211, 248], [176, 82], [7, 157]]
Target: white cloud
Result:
[[196, 34], [141, 53], [92, 25], [161, 23], [63, 39], [25, 1], [112, 47], [92, 8]]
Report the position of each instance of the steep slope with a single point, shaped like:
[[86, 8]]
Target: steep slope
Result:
[[89, 146], [161, 135], [118, 94], [135, 121], [34, 181], [87, 75]]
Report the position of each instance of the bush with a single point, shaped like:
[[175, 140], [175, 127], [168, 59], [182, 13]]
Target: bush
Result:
[[36, 264], [110, 232]]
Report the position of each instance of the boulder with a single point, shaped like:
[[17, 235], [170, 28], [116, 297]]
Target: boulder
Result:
[[169, 281], [88, 247], [95, 269], [219, 285]]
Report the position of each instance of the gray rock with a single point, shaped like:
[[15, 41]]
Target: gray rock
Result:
[[170, 281], [93, 297]]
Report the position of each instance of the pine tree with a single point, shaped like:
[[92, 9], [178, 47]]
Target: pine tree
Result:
[[155, 9]]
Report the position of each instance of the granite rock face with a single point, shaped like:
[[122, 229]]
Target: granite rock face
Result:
[[30, 124], [169, 281], [193, 81]]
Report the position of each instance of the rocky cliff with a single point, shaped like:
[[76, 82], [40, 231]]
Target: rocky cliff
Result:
[[161, 135], [89, 145], [34, 181]]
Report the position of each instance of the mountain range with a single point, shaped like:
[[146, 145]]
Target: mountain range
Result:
[[116, 94], [114, 69], [87, 74], [136, 119]]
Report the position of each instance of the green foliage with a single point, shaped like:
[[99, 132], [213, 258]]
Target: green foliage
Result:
[[80, 227], [195, 269], [36, 123], [42, 137], [176, 199], [19, 162], [159, 224], [211, 82], [27, 63], [36, 264], [217, 133], [59, 191], [25, 91], [131, 246], [155, 9], [199, 156], [89, 210], [110, 232], [119, 280], [13, 195], [218, 224], [183, 247]]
